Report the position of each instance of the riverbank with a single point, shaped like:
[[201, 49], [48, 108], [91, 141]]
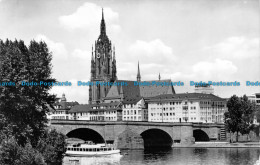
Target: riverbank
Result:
[[219, 145]]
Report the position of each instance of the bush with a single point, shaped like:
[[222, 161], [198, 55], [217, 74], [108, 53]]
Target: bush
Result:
[[52, 146], [13, 154]]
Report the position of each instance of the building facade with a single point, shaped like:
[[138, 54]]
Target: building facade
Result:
[[135, 111], [188, 107], [61, 109], [255, 98], [97, 112]]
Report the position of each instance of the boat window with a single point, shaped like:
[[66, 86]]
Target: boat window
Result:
[[84, 149], [97, 149], [80, 149], [77, 149], [90, 149]]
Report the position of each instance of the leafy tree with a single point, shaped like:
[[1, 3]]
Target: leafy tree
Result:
[[23, 135], [53, 146], [13, 154], [233, 117], [24, 107], [248, 109], [240, 115]]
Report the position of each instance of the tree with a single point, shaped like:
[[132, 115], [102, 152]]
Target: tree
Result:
[[248, 109], [13, 154], [52, 145], [240, 115], [23, 135], [24, 107], [234, 114]]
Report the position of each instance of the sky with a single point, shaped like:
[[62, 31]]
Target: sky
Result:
[[183, 40]]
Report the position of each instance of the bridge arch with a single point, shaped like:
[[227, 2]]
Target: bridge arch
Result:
[[156, 138], [86, 134], [200, 135]]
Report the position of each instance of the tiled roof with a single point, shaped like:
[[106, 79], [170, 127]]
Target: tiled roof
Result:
[[65, 105], [80, 108], [133, 93], [154, 90], [182, 96]]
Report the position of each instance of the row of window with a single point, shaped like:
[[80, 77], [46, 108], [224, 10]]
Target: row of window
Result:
[[89, 149], [133, 118], [132, 112], [164, 114], [171, 103], [131, 105], [104, 107], [205, 113], [60, 117]]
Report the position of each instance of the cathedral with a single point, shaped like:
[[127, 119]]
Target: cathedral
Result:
[[103, 69], [103, 65], [134, 102]]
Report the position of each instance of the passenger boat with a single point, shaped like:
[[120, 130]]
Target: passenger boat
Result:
[[90, 149]]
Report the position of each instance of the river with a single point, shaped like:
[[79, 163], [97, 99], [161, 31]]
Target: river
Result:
[[175, 156]]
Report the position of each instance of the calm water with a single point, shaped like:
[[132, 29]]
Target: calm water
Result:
[[180, 156]]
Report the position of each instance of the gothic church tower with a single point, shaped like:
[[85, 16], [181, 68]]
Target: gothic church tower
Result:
[[103, 65]]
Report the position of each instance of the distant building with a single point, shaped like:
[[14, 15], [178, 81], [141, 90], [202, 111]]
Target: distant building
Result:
[[257, 95], [97, 112], [207, 89], [255, 98], [61, 108], [135, 110], [186, 107], [133, 97]]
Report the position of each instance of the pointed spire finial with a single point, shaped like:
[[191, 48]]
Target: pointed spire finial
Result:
[[138, 73], [102, 14], [103, 25]]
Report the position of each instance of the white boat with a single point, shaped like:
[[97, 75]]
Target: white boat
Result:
[[90, 149]]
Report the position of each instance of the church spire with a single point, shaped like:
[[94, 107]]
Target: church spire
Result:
[[159, 76], [102, 14], [92, 58], [102, 25], [138, 73]]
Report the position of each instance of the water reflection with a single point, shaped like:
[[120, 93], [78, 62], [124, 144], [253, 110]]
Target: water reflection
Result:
[[176, 156], [101, 160]]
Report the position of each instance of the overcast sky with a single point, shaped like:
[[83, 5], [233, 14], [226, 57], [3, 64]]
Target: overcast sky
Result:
[[184, 40]]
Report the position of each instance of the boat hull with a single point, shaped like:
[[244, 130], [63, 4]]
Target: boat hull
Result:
[[84, 153]]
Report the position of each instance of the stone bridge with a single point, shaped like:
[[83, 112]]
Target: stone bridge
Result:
[[138, 134]]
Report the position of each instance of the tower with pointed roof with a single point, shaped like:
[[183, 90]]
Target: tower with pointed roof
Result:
[[103, 65], [138, 77]]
